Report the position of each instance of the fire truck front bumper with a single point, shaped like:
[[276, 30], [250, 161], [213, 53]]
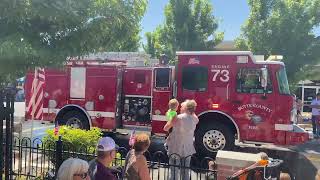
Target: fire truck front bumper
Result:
[[297, 136]]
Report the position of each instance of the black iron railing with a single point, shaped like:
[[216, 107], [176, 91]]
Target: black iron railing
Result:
[[35, 159]]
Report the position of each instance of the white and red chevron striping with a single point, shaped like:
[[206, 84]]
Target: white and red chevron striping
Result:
[[35, 105]]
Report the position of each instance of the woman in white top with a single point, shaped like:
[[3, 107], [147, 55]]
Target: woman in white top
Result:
[[180, 142]]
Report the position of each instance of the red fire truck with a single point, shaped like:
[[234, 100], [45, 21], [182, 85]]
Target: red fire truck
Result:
[[239, 99]]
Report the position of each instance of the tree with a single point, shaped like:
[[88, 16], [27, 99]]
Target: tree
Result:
[[189, 25], [153, 46], [45, 32], [284, 27]]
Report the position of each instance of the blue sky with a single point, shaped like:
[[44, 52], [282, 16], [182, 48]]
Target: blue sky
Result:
[[230, 13]]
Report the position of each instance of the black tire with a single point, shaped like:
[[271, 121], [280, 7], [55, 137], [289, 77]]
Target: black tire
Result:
[[217, 127], [75, 115]]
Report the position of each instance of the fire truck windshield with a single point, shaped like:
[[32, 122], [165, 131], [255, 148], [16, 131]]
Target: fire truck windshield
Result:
[[283, 82]]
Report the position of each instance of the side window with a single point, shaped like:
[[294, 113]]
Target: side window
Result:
[[249, 81], [78, 83], [195, 78], [162, 77], [139, 78]]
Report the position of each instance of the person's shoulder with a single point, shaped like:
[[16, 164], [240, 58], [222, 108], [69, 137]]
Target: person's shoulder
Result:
[[92, 170], [93, 161], [182, 115], [141, 158], [195, 116], [93, 165], [103, 170], [171, 112]]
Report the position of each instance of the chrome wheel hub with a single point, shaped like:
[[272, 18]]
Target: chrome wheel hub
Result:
[[74, 123], [214, 140]]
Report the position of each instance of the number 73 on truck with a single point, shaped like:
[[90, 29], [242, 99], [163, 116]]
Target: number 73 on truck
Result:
[[240, 99]]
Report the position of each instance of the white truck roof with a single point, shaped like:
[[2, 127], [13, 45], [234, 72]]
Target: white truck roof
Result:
[[259, 59], [131, 58]]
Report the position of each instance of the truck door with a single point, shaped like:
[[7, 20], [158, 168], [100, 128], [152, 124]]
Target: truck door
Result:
[[254, 104], [161, 94]]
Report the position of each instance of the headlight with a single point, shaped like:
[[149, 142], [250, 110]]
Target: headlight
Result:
[[293, 115]]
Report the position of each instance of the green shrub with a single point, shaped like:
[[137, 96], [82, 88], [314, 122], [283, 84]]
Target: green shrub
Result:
[[76, 142], [75, 138]]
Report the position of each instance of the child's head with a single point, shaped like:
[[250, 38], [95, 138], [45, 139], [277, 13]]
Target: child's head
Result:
[[285, 176], [264, 156], [173, 104], [142, 142], [212, 165], [264, 159]]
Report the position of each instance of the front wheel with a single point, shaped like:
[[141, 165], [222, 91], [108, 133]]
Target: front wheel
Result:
[[211, 137], [75, 119]]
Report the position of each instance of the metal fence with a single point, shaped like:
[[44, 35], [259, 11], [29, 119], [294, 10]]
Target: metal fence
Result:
[[6, 131], [38, 160], [25, 158]]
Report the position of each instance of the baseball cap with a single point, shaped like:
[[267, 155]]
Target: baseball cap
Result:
[[107, 144]]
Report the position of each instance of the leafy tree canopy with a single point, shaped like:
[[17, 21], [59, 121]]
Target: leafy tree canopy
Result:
[[189, 25], [45, 32], [284, 27]]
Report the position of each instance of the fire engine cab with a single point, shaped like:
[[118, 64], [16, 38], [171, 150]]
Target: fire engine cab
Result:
[[239, 99]]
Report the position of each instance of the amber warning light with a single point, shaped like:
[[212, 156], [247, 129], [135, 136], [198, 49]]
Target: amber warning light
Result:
[[215, 106]]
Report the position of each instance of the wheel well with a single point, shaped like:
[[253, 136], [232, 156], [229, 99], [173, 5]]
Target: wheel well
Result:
[[67, 109], [218, 117]]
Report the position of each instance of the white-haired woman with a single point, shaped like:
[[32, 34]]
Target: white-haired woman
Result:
[[73, 169], [181, 140]]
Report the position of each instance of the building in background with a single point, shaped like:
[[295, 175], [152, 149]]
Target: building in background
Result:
[[306, 91]]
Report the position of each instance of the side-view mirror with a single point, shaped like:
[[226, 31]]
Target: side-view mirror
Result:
[[264, 77]]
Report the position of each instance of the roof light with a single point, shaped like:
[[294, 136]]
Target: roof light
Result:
[[275, 58], [242, 59]]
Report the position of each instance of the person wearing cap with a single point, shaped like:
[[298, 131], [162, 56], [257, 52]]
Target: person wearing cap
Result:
[[99, 168], [315, 105]]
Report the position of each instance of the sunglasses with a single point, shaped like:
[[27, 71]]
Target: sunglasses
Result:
[[83, 175]]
